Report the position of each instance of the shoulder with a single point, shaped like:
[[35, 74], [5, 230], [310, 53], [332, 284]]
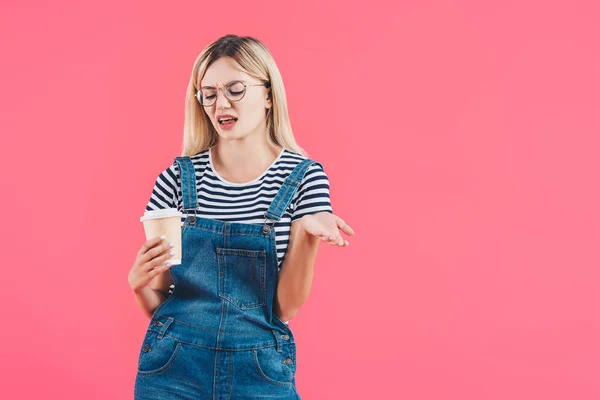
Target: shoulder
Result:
[[312, 195], [293, 159], [315, 182], [199, 161]]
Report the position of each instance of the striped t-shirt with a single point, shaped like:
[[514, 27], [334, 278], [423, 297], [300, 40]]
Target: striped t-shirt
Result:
[[246, 202]]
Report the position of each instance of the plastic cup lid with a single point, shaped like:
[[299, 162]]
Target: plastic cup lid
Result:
[[163, 213]]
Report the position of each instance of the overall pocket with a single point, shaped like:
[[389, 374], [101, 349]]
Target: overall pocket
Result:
[[157, 355], [276, 368], [242, 277]]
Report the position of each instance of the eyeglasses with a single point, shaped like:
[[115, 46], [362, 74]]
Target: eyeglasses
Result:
[[234, 91]]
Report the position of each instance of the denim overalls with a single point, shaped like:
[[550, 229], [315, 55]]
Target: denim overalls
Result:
[[216, 336]]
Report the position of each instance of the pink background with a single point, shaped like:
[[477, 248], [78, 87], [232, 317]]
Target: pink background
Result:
[[461, 142]]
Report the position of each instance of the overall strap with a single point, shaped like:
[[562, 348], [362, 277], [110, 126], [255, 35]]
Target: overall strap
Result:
[[189, 192], [285, 194]]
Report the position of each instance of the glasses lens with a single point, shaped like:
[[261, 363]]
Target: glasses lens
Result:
[[235, 91], [207, 96]]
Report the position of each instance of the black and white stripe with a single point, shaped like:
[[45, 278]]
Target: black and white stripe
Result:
[[246, 202]]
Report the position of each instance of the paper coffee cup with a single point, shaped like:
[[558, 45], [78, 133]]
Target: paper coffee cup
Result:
[[165, 222]]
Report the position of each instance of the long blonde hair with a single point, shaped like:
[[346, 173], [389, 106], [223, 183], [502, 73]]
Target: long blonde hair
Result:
[[255, 60]]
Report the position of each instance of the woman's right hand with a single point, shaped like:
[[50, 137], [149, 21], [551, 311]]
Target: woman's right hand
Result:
[[148, 263]]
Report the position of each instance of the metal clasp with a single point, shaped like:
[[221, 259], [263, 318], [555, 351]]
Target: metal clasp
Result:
[[193, 217], [266, 227]]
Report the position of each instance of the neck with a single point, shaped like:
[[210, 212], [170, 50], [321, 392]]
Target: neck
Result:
[[243, 160]]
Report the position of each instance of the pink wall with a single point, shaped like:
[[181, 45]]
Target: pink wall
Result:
[[461, 142]]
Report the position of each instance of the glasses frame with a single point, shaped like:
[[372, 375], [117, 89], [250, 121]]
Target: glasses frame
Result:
[[225, 91]]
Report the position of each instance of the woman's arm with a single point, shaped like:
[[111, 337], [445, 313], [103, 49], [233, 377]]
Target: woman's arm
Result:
[[312, 222], [148, 299], [295, 277], [296, 274]]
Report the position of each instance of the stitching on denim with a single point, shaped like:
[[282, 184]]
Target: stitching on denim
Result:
[[205, 346], [235, 233], [185, 184], [293, 356], [222, 277], [264, 376], [230, 358], [279, 198], [185, 323], [164, 328], [274, 263], [228, 333], [191, 177], [262, 299], [241, 252], [263, 277], [282, 200], [277, 341], [164, 367], [215, 374], [178, 394], [286, 202], [220, 324], [204, 329]]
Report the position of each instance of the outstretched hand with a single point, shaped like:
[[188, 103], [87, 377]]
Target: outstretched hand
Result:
[[326, 226]]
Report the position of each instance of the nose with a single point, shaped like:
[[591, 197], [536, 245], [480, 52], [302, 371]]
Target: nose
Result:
[[222, 101]]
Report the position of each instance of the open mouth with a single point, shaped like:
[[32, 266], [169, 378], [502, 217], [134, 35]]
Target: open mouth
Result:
[[227, 121]]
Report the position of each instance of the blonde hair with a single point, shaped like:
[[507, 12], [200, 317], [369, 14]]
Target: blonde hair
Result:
[[254, 59]]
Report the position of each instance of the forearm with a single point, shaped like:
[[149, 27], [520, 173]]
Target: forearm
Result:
[[296, 275], [149, 299]]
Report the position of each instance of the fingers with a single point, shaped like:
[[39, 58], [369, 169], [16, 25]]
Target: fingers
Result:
[[149, 244], [336, 240], [156, 251], [159, 270], [344, 226], [157, 262]]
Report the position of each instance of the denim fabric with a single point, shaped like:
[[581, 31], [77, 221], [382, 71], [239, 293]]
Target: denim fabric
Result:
[[216, 336]]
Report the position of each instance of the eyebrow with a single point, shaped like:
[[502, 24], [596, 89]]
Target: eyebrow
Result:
[[233, 80]]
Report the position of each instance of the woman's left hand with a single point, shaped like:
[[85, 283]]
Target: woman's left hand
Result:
[[326, 226]]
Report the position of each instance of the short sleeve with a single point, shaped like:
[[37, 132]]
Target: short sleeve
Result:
[[313, 193], [164, 193]]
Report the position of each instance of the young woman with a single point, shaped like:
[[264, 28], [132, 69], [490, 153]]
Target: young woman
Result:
[[255, 209]]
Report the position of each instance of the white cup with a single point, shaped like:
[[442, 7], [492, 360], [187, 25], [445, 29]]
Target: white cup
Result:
[[165, 222]]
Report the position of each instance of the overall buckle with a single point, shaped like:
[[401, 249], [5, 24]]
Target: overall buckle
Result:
[[266, 227], [192, 218]]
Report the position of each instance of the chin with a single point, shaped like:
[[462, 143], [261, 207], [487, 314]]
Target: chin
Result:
[[232, 135], [239, 131]]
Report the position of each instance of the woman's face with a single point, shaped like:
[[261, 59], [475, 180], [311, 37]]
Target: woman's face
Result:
[[249, 111]]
